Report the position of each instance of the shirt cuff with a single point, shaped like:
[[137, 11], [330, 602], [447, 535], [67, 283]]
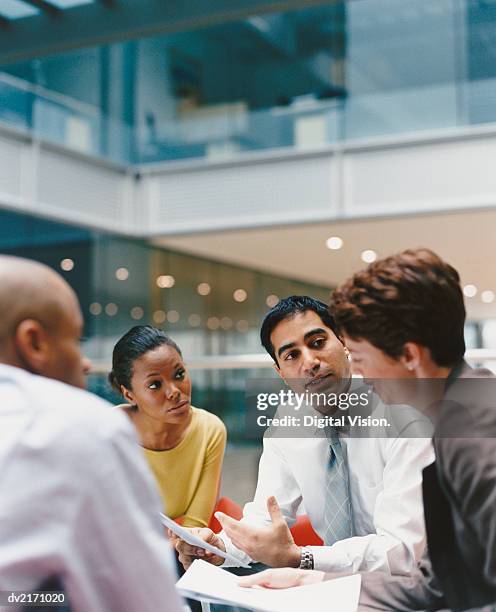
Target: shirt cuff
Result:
[[232, 550], [325, 559]]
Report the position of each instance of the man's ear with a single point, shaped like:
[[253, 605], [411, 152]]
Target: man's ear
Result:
[[128, 395], [412, 356], [32, 345]]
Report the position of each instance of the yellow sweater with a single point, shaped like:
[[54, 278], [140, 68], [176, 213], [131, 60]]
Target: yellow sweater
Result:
[[188, 475]]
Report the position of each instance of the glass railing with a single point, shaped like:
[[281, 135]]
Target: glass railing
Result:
[[222, 131], [64, 121], [225, 131]]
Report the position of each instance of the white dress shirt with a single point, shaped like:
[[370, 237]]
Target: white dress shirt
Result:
[[78, 500], [385, 476]]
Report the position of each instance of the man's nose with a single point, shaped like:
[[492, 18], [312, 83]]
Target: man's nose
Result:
[[311, 362]]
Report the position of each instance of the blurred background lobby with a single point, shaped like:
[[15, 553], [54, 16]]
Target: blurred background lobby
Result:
[[186, 164]]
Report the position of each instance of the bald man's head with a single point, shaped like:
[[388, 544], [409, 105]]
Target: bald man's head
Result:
[[40, 322]]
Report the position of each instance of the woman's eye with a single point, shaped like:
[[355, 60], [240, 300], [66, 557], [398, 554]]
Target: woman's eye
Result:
[[154, 385], [180, 374]]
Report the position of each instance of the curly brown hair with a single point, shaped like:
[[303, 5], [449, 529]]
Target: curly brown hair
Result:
[[414, 296]]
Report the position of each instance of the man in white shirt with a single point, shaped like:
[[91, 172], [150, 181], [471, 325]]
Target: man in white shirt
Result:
[[384, 474], [78, 501]]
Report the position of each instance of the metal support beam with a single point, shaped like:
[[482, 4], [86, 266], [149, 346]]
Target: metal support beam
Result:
[[100, 22]]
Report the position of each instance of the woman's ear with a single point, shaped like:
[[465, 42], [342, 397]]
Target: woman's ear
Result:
[[128, 395], [411, 357]]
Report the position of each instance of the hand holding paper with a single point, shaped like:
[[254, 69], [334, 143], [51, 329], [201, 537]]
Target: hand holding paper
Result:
[[188, 552], [194, 546]]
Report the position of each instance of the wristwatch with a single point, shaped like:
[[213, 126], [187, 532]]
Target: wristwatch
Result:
[[306, 560]]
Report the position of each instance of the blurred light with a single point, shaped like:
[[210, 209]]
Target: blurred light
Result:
[[240, 295], [203, 289], [226, 323], [213, 323], [111, 309], [159, 316], [67, 265], [122, 274], [65, 4], [470, 290], [368, 256], [487, 296], [95, 308], [272, 300], [242, 326], [194, 320], [165, 281], [173, 316], [137, 313], [334, 243], [15, 9]]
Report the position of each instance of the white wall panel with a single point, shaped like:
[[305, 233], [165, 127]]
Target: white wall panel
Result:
[[10, 167], [275, 191], [420, 177], [82, 190]]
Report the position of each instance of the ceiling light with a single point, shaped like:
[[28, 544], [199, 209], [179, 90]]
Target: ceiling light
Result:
[[203, 289], [159, 316], [213, 323], [15, 9], [368, 256], [67, 265], [487, 296], [165, 281], [334, 243], [111, 309], [240, 295], [226, 323], [122, 274], [95, 308], [173, 316], [470, 290], [242, 326], [137, 313], [194, 320]]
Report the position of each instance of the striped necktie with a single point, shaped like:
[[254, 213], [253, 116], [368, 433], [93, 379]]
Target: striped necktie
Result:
[[338, 517]]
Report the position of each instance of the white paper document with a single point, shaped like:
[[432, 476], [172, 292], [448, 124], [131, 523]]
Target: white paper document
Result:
[[209, 583], [190, 538]]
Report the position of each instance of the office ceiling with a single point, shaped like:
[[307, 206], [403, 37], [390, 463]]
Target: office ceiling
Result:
[[33, 28], [466, 239]]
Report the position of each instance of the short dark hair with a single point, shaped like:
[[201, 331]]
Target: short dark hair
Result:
[[414, 296], [289, 307], [134, 344]]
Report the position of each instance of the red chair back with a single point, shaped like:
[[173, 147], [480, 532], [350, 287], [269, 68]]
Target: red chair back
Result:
[[227, 506], [303, 532]]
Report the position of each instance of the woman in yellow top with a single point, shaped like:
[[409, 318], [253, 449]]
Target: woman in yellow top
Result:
[[184, 445]]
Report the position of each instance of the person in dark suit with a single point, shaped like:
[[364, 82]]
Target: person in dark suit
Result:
[[402, 319]]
